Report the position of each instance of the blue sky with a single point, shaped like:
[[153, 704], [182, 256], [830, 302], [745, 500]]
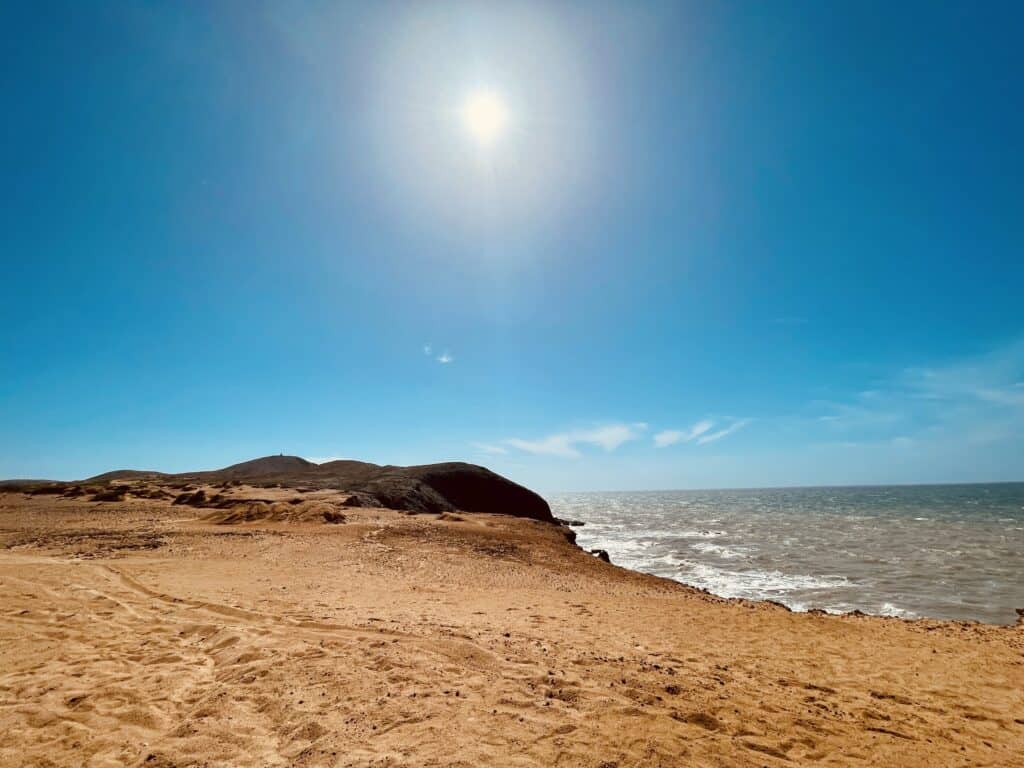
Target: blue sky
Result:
[[717, 244]]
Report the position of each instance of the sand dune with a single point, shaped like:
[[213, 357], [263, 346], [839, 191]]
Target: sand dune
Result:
[[147, 633]]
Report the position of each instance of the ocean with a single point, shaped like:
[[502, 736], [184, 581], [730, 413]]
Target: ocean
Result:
[[938, 551]]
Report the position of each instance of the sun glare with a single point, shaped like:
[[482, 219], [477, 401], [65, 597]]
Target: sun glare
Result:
[[484, 117]]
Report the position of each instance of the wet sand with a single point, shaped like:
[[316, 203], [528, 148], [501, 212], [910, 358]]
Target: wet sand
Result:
[[138, 633]]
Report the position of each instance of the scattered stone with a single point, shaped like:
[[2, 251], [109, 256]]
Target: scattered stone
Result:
[[113, 494], [703, 719], [48, 490], [196, 499]]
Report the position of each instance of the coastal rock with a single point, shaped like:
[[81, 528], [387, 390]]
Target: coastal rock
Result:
[[601, 554], [426, 488], [397, 491], [472, 488]]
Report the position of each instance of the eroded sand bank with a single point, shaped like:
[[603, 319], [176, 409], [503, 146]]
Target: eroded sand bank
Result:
[[136, 633]]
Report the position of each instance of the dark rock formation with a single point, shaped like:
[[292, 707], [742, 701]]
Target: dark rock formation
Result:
[[397, 491], [428, 488], [434, 488], [476, 489], [360, 500], [49, 490], [601, 554], [196, 499], [111, 495]]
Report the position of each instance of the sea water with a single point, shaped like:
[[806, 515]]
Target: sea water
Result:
[[939, 551]]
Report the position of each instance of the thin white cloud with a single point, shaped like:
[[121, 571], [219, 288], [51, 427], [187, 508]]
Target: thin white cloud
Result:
[[668, 437], [736, 426], [610, 437], [672, 436], [869, 411], [428, 350], [490, 448], [566, 444], [992, 379], [444, 358], [552, 445], [972, 401]]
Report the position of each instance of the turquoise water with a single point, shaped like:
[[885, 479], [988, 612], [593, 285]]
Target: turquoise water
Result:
[[949, 551]]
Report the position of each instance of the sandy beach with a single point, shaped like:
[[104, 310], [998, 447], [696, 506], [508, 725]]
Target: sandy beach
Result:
[[145, 633]]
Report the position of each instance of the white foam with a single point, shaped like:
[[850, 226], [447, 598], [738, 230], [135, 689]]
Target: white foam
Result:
[[888, 609], [709, 548], [787, 545], [754, 584]]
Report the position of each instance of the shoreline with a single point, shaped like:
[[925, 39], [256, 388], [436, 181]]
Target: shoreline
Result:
[[911, 553], [143, 633], [817, 611]]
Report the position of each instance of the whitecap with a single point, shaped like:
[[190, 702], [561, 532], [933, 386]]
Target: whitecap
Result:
[[717, 549], [754, 584], [888, 609]]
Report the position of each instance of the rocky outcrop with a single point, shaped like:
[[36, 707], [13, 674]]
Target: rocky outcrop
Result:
[[435, 488], [420, 489], [476, 489]]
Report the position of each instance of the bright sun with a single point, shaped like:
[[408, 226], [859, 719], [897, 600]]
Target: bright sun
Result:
[[484, 117]]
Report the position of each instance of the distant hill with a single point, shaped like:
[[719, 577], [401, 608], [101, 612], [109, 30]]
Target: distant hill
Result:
[[268, 465], [424, 488], [124, 474]]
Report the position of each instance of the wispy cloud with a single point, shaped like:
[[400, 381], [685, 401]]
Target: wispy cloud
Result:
[[711, 437], [552, 445], [611, 436], [490, 448], [668, 437], [971, 401], [995, 378], [567, 444], [672, 436], [444, 358], [868, 410]]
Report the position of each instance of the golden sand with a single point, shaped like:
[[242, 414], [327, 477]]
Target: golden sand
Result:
[[138, 633]]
